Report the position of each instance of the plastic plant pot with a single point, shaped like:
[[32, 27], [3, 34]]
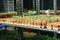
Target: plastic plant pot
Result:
[[58, 26], [4, 20], [38, 25], [43, 25], [58, 13], [55, 27], [56, 20], [7, 20], [9, 15], [0, 20], [51, 13], [12, 15], [18, 22], [29, 24], [13, 21], [26, 23], [32, 23], [35, 24], [59, 20], [49, 25], [6, 16], [23, 23]]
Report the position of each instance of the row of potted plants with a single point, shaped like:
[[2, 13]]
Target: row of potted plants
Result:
[[37, 21], [8, 15]]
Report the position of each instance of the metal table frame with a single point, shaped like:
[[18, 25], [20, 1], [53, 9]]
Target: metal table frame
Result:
[[20, 34], [21, 29]]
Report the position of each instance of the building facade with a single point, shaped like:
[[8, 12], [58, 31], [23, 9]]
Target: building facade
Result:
[[9, 5], [44, 4], [1, 6]]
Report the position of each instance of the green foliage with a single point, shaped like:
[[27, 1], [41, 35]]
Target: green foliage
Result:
[[8, 35], [41, 37], [28, 14], [12, 35]]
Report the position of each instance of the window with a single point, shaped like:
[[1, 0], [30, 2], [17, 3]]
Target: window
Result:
[[11, 10], [10, 0], [11, 7], [6, 4], [5, 0], [6, 7], [6, 10]]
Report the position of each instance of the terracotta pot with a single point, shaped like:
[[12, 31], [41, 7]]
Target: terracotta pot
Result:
[[55, 26], [51, 13], [58, 13], [56, 20], [49, 25], [44, 24], [23, 22], [35, 23], [29, 23], [4, 20], [39, 24]]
